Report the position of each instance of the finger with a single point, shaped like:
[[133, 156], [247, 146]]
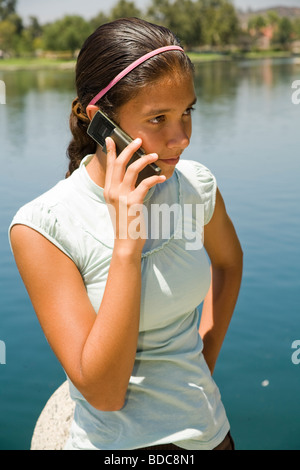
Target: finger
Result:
[[124, 158], [133, 170], [111, 156], [146, 184]]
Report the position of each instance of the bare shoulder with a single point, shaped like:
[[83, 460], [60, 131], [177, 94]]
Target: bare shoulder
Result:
[[30, 246]]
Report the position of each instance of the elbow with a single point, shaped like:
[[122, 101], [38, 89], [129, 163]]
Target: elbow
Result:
[[237, 259], [101, 399], [240, 258], [236, 269], [107, 405], [231, 264]]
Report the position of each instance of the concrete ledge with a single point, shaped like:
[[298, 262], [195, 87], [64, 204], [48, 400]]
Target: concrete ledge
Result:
[[52, 428]]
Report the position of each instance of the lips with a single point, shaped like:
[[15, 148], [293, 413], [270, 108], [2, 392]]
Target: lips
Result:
[[170, 161]]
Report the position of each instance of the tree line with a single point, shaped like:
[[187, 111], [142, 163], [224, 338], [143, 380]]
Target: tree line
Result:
[[198, 23]]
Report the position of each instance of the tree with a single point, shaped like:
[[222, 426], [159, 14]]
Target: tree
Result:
[[273, 18], [284, 33], [220, 24], [30, 39], [124, 9], [7, 7], [67, 34], [296, 27], [159, 11], [7, 36], [11, 27], [183, 17], [227, 24], [98, 20], [35, 29], [199, 22], [187, 22]]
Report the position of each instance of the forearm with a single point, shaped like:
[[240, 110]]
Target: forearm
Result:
[[218, 308], [110, 349], [108, 353]]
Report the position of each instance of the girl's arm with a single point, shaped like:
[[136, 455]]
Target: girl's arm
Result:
[[225, 253], [97, 351]]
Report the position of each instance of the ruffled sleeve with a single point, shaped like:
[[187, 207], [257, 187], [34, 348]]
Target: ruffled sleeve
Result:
[[48, 222], [203, 182]]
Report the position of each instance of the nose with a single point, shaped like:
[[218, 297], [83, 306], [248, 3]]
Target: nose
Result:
[[179, 136]]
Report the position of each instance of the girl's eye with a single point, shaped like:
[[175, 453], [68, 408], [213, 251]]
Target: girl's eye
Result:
[[157, 119], [160, 119], [189, 111]]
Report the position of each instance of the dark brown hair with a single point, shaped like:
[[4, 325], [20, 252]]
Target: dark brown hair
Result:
[[108, 51]]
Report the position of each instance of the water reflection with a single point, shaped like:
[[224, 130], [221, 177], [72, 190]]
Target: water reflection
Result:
[[246, 129], [20, 83], [239, 108], [215, 81]]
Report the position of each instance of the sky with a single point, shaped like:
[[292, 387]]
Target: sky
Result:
[[47, 11]]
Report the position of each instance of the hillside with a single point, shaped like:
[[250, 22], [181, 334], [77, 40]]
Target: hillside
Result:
[[289, 12]]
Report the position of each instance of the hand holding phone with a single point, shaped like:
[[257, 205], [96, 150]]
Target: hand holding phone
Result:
[[101, 127]]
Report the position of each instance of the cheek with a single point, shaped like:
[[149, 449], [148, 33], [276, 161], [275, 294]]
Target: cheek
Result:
[[187, 127], [152, 143]]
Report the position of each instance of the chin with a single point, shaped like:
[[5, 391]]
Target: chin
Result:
[[167, 172]]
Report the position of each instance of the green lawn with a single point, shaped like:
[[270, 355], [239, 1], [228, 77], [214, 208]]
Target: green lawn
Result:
[[19, 63]]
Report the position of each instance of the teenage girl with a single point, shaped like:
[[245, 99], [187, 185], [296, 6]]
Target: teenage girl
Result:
[[120, 312]]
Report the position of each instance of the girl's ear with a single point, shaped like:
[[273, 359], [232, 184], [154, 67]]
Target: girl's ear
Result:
[[91, 110]]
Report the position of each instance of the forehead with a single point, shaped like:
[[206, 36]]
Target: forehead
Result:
[[168, 92]]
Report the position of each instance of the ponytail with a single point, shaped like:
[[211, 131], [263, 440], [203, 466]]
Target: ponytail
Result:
[[81, 144]]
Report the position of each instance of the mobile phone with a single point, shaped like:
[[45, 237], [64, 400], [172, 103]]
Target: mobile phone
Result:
[[101, 127]]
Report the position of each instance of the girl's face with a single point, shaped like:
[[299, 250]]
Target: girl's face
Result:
[[161, 116]]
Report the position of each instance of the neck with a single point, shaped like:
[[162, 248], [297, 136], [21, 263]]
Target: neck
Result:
[[96, 168]]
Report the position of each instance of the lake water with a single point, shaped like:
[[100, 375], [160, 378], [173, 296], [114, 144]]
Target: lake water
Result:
[[247, 131]]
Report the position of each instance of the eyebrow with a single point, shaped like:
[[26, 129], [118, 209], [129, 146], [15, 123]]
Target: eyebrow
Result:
[[157, 112]]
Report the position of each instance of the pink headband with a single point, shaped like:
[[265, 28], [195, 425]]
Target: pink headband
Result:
[[132, 66]]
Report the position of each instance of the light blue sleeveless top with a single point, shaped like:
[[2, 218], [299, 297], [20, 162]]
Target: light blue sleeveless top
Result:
[[171, 396]]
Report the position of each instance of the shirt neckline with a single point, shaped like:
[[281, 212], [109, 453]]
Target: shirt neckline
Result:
[[96, 191]]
